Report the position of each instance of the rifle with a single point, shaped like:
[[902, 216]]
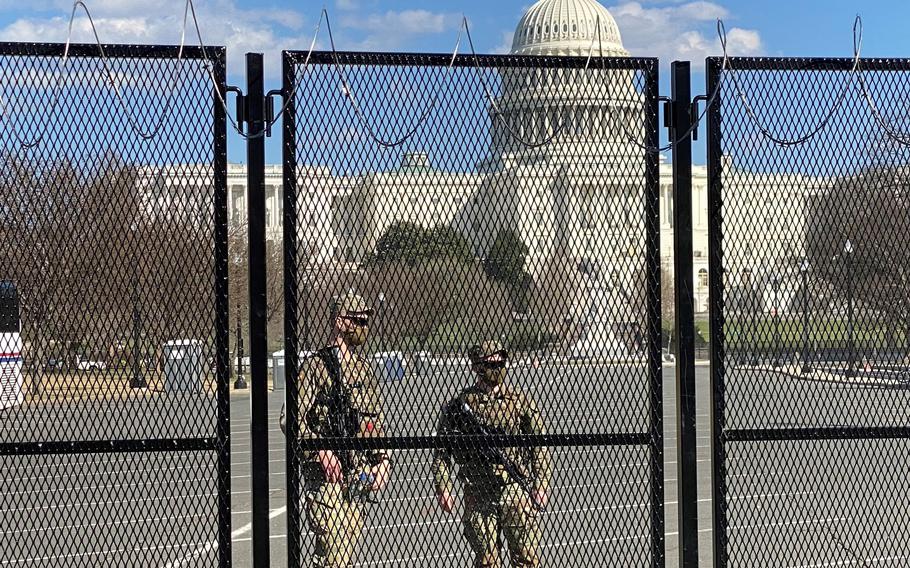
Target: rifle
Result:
[[499, 456], [344, 422]]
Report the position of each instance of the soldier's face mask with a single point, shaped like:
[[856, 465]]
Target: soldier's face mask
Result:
[[356, 331], [492, 372]]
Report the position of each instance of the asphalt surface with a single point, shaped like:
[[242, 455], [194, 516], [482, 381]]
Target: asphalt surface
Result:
[[800, 504]]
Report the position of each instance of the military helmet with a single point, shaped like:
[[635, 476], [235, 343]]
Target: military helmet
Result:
[[350, 303], [486, 349]]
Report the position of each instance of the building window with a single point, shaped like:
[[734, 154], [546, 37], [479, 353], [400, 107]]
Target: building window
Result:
[[746, 276], [587, 211], [703, 278]]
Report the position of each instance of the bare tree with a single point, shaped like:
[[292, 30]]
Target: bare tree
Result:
[[871, 211]]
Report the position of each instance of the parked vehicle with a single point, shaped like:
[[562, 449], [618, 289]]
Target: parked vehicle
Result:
[[12, 392], [84, 365], [54, 364]]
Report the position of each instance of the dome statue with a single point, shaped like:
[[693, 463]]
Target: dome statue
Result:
[[567, 27]]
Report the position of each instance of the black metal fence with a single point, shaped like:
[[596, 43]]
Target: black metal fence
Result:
[[809, 212], [114, 440], [465, 200], [452, 213]]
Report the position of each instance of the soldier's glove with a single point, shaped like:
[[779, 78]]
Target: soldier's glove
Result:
[[446, 501]]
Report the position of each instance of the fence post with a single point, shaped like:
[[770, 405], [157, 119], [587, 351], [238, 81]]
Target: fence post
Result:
[[255, 152], [292, 343], [222, 332], [687, 456]]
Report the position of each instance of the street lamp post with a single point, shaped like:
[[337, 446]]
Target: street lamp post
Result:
[[775, 286], [307, 293], [851, 339], [137, 381], [804, 272], [380, 312], [240, 383], [754, 302]]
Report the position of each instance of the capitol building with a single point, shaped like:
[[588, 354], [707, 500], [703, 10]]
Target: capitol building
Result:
[[579, 196]]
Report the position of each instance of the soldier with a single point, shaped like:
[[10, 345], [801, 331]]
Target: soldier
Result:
[[339, 396], [504, 489]]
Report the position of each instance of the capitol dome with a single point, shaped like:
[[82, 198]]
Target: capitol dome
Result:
[[567, 27]]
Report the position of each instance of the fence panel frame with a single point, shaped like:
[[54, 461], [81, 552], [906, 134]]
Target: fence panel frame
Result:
[[653, 439], [720, 434], [220, 443]]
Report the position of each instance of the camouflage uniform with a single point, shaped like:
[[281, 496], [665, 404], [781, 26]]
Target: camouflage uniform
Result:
[[334, 517], [494, 504]]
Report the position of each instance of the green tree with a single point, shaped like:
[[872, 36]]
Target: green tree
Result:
[[401, 241], [506, 263], [443, 241], [406, 241]]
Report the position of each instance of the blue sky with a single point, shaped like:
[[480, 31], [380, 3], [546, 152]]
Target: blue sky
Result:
[[669, 29]]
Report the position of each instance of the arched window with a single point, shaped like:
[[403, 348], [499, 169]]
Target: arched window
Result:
[[565, 28], [703, 278], [574, 27]]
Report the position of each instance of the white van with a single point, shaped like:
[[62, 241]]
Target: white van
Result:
[[12, 391]]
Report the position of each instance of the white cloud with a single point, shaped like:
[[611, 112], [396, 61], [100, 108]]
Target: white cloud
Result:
[[222, 22], [681, 31], [392, 30], [347, 5], [505, 46]]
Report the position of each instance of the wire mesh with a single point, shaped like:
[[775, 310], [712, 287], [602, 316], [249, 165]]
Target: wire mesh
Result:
[[809, 313], [113, 353], [464, 236]]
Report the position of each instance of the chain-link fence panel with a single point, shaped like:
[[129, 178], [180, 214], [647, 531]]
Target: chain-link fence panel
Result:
[[113, 306], [473, 311], [810, 312]]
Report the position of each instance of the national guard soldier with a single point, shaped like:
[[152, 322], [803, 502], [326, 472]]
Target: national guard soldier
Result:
[[339, 397], [505, 489]]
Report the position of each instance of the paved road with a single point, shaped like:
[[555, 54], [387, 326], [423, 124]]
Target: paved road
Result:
[[600, 507], [141, 509]]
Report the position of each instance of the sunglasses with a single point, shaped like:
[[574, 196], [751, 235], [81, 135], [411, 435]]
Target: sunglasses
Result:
[[491, 365], [361, 321]]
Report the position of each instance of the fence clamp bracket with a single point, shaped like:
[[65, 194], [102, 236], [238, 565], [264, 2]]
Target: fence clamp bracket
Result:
[[239, 108], [668, 111], [270, 109], [693, 114], [669, 115], [243, 114]]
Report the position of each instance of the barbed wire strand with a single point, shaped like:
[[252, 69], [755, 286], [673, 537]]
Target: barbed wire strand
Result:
[[131, 119], [788, 142], [698, 120], [898, 137], [288, 97], [217, 87], [348, 93]]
